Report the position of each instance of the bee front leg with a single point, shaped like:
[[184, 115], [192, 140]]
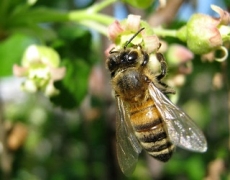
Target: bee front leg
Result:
[[161, 59], [164, 87]]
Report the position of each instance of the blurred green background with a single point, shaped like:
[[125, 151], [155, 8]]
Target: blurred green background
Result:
[[72, 136]]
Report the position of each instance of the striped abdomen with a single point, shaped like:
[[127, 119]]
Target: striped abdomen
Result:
[[150, 130]]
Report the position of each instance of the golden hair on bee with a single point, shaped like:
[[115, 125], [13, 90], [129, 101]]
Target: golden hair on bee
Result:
[[146, 119]]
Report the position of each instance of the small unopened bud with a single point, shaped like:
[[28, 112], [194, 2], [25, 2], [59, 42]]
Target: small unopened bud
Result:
[[178, 54]]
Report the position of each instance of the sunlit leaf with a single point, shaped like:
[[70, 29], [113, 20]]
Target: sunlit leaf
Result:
[[74, 47]]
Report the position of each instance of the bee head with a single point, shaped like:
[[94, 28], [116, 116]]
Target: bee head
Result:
[[127, 57], [123, 58]]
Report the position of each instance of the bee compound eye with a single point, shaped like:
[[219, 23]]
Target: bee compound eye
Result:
[[132, 56]]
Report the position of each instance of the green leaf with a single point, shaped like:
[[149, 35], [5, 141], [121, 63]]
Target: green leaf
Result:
[[74, 47], [11, 51], [74, 86], [74, 42]]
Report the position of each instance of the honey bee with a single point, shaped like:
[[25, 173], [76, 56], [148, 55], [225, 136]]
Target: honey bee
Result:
[[146, 118]]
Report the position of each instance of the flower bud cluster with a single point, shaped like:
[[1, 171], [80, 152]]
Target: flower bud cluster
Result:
[[121, 32], [40, 67], [204, 33]]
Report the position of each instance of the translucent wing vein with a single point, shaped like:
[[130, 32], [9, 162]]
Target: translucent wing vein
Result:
[[182, 131], [128, 147]]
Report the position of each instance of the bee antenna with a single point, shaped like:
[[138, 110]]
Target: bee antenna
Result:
[[130, 40]]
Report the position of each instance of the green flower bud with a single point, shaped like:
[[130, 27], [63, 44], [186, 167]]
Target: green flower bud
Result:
[[203, 35], [182, 33]]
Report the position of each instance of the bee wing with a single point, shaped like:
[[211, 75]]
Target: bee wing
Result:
[[182, 131], [128, 147]]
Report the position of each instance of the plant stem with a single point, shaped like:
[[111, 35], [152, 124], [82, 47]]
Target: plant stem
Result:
[[99, 6], [85, 15], [95, 26], [165, 32], [45, 15]]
